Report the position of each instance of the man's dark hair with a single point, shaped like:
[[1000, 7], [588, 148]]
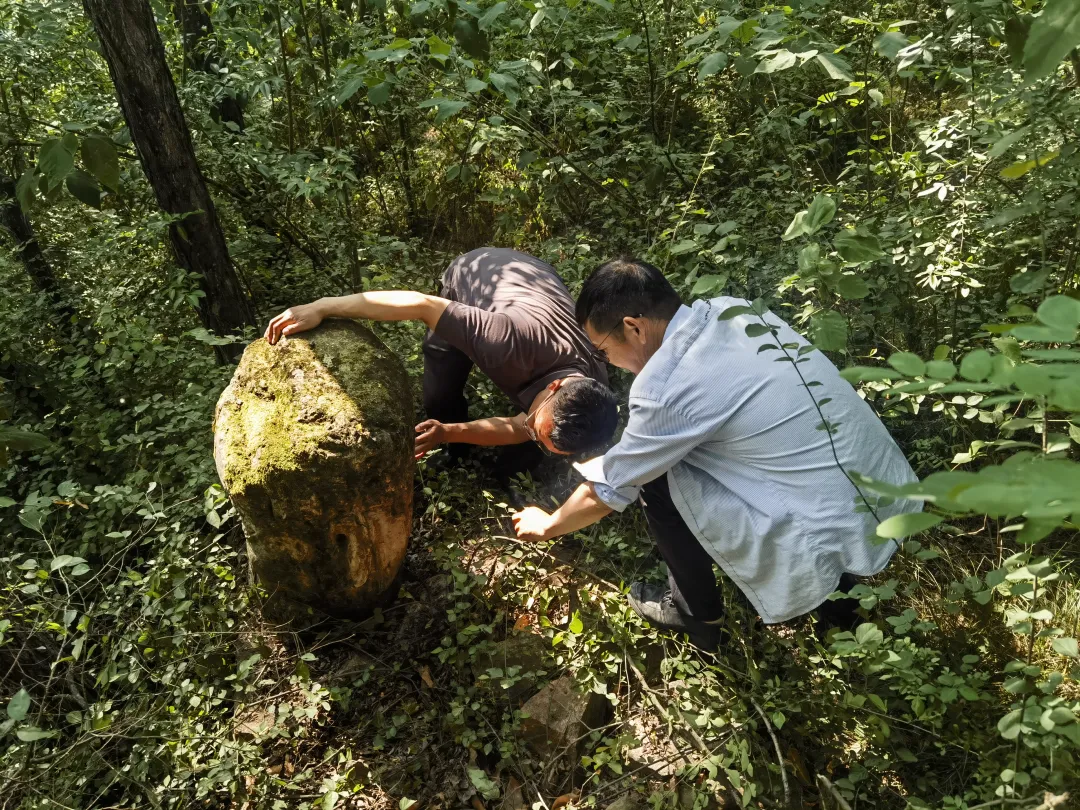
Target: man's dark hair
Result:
[[584, 413], [623, 288]]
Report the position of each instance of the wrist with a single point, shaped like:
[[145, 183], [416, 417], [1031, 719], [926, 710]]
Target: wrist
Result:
[[323, 307], [549, 526]]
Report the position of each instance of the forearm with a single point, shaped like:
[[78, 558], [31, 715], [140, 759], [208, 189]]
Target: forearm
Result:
[[583, 508], [493, 432], [385, 305]]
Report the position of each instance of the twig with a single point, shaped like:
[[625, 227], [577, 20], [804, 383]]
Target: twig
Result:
[[825, 783], [695, 738], [779, 756]]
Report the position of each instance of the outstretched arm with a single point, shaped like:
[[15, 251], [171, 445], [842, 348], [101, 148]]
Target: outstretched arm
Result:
[[583, 508], [380, 305], [492, 432]]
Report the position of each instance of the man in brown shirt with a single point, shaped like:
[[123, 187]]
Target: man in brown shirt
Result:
[[510, 315]]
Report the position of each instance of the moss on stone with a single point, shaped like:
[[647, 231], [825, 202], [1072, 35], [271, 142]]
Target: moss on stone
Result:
[[313, 442], [303, 395]]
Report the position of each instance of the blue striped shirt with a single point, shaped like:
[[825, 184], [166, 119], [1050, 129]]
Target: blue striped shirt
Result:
[[751, 474]]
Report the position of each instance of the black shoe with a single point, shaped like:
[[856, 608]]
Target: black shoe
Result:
[[654, 603]]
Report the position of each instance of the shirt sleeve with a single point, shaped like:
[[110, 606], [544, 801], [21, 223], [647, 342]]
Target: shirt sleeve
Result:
[[488, 338], [656, 438]]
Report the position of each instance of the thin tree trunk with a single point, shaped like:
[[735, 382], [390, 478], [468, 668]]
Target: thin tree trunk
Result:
[[195, 27], [14, 221], [28, 250], [132, 47]]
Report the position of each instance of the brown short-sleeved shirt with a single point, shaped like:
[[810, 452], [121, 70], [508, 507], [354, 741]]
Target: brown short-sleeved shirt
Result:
[[513, 317]]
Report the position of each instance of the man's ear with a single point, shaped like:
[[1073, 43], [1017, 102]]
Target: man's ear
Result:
[[555, 385], [632, 325]]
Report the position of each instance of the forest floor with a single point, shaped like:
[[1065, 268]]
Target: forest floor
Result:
[[427, 699]]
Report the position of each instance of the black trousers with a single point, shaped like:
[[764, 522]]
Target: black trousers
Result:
[[446, 371], [690, 568]]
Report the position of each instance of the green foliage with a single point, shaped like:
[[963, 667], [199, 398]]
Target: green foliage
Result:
[[897, 179], [1054, 34]]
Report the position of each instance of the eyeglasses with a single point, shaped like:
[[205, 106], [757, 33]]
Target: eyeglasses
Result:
[[530, 431], [607, 337]]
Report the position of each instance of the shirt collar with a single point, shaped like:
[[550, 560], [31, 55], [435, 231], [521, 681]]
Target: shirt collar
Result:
[[676, 321]]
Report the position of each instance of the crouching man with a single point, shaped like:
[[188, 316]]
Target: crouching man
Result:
[[509, 314], [724, 451]]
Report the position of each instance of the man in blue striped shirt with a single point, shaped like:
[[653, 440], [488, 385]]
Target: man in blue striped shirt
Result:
[[724, 448]]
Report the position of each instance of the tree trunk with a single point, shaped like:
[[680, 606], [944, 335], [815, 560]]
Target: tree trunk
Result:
[[28, 249], [132, 47], [195, 27], [13, 220]]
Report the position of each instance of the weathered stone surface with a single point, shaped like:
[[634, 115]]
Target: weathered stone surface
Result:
[[313, 442], [558, 716]]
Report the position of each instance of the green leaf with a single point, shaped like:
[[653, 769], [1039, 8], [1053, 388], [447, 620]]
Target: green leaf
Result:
[[446, 107], [829, 330], [904, 525], [405, 803], [55, 161], [505, 85], [852, 287], [576, 625], [24, 189], [797, 227], [1009, 726], [783, 60], [713, 63], [735, 312], [34, 734], [100, 159], [754, 330], [63, 561], [977, 365], [1006, 143], [685, 246], [708, 283], [438, 47], [908, 364], [483, 784], [836, 66], [474, 85], [350, 88], [471, 40], [17, 439], [18, 706], [856, 248], [1060, 312], [820, 213], [1018, 170], [379, 94], [868, 633], [890, 44], [6, 502], [1053, 35], [485, 21], [83, 188], [1062, 646], [941, 370]]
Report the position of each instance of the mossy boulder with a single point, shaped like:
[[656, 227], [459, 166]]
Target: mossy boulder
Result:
[[313, 441]]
